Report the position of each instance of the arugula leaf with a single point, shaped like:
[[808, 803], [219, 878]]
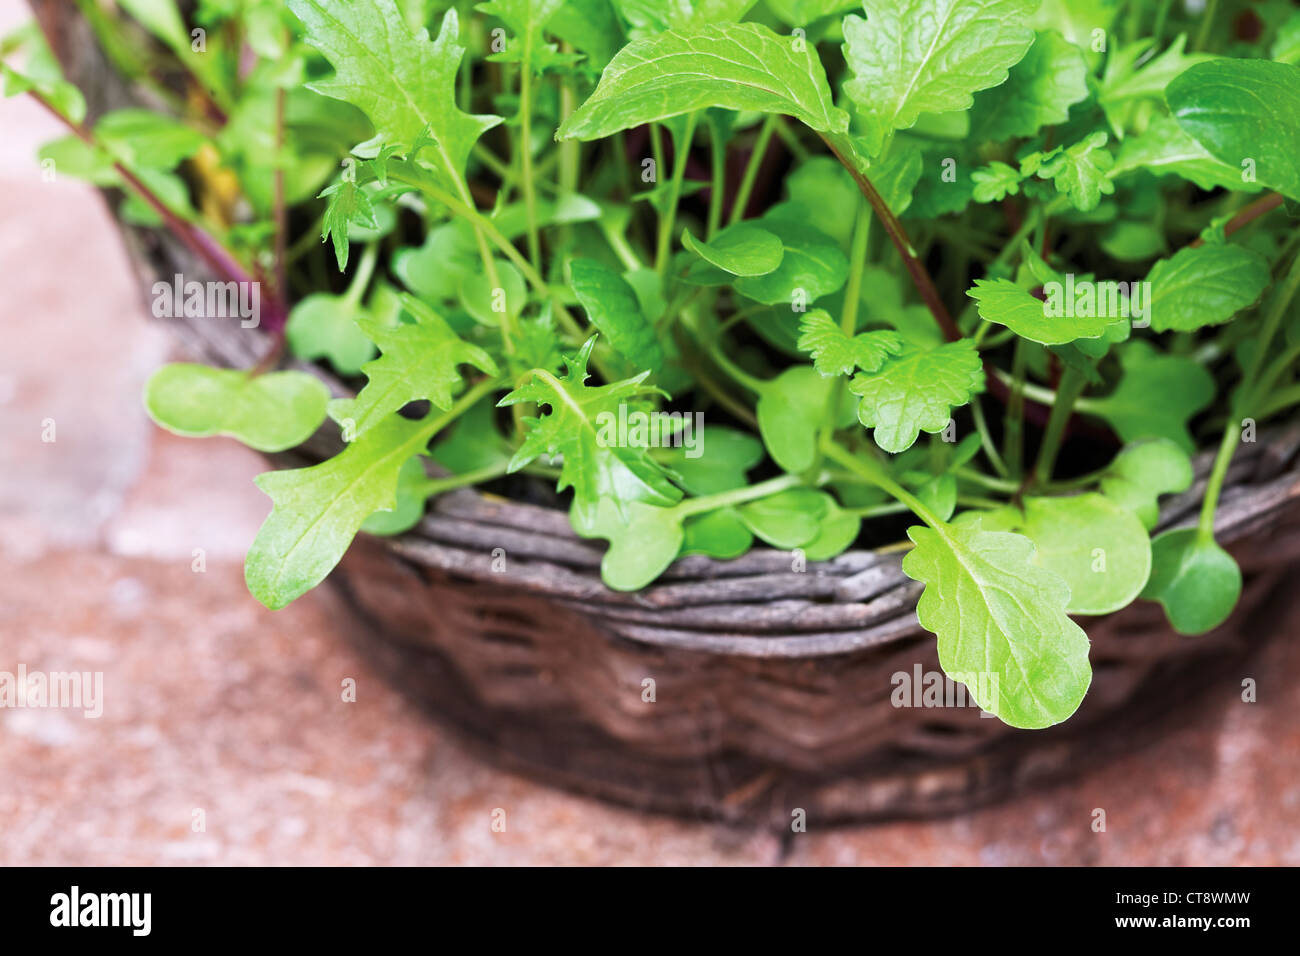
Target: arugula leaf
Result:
[[742, 250], [1244, 110], [1039, 91], [1004, 302], [403, 81], [408, 507], [834, 353], [929, 56], [737, 66], [1098, 548], [1001, 623], [1142, 472], [318, 510], [1155, 397], [613, 308], [269, 413], [419, 361], [916, 391], [1195, 580], [594, 466], [1204, 285], [143, 139]]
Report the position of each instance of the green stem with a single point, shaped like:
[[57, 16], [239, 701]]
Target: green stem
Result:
[[986, 438], [987, 481], [718, 186], [365, 270], [1207, 24], [873, 472], [752, 167], [526, 152], [436, 486], [668, 219], [1014, 423], [1067, 393], [739, 495]]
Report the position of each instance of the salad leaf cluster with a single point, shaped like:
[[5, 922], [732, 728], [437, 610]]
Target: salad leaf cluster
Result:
[[980, 274]]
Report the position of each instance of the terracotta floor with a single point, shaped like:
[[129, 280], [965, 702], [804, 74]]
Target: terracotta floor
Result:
[[214, 704]]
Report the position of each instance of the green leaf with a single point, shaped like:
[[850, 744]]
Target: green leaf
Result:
[[836, 532], [791, 408], [821, 190], [1164, 149], [1196, 581], [143, 139], [742, 250], [41, 73], [526, 18], [1247, 114], [408, 508], [580, 428], [910, 57], [995, 182], [788, 519], [719, 534], [613, 308], [812, 266], [1081, 171], [1039, 91], [419, 361], [1004, 302], [1099, 548], [916, 391], [318, 510], [1156, 396], [643, 541], [403, 81], [271, 412], [737, 66], [834, 353], [1142, 472], [348, 207], [1131, 76], [1001, 623], [1205, 285], [719, 463], [474, 442], [326, 326]]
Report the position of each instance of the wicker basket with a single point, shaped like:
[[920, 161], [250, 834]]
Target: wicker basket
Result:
[[772, 687]]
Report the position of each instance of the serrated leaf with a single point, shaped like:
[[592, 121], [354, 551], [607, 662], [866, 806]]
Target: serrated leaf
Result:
[[1156, 396], [1004, 302], [910, 57], [916, 391], [1142, 472], [1081, 171], [1244, 111], [347, 206], [408, 508], [318, 510], [742, 250], [418, 361], [834, 353], [269, 413], [995, 182], [1001, 623], [614, 309], [737, 66], [403, 81], [1205, 285], [526, 18], [581, 429], [1195, 580], [1039, 91]]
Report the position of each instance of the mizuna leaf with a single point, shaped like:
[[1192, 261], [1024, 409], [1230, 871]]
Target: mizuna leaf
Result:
[[318, 510], [418, 361], [737, 66], [1001, 623], [1039, 91], [1195, 580], [1156, 396], [1205, 285], [916, 391], [613, 308], [410, 494], [526, 18], [348, 206], [910, 57], [403, 81], [835, 353], [742, 250], [1004, 302], [581, 429], [1246, 113], [269, 412]]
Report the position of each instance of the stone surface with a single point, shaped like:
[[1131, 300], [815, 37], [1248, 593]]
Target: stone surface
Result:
[[213, 704]]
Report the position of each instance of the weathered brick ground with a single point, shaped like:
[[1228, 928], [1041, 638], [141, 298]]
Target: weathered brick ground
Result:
[[213, 703]]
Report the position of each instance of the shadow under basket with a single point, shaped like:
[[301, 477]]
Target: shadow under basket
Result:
[[745, 690]]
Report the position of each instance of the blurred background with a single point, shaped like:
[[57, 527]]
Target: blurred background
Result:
[[213, 703]]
